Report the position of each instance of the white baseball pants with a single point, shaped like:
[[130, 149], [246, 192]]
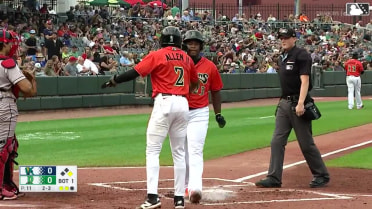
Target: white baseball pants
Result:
[[354, 85], [196, 133], [169, 116]]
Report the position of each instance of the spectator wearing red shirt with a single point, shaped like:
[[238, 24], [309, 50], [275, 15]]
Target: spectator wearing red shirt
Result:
[[258, 35], [62, 31], [108, 48], [44, 9]]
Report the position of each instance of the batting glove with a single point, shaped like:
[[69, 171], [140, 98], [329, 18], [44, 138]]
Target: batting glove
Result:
[[220, 120], [110, 83]]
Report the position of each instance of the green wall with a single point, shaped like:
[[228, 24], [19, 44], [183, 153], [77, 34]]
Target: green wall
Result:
[[86, 92]]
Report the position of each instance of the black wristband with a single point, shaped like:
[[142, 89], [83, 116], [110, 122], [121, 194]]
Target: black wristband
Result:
[[126, 76]]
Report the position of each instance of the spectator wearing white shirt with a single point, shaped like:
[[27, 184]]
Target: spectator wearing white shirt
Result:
[[369, 25], [322, 37], [271, 18], [51, 11], [80, 66], [359, 24], [271, 36], [89, 64], [168, 15]]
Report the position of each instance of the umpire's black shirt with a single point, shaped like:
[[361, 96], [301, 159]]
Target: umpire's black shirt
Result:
[[292, 65]]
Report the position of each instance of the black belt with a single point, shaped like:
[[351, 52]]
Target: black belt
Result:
[[291, 98], [193, 108], [165, 94]]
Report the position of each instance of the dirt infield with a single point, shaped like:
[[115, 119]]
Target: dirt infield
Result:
[[228, 181]]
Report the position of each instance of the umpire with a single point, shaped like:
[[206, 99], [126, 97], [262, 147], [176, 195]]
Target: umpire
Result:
[[294, 73]]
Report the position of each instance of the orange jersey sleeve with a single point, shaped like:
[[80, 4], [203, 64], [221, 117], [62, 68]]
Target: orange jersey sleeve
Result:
[[210, 80], [170, 70]]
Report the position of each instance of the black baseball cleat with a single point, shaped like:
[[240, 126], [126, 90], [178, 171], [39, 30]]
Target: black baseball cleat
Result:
[[268, 182], [320, 181], [179, 202], [151, 203]]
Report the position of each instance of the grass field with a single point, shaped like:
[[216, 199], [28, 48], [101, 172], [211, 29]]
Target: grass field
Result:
[[358, 159], [120, 140]]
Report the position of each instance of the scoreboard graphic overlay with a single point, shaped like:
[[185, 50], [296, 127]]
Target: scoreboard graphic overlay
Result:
[[48, 178]]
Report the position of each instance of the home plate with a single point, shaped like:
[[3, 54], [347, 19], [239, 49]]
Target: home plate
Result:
[[214, 195]]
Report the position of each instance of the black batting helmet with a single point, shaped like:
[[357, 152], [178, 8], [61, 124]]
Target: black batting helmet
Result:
[[170, 36], [194, 35]]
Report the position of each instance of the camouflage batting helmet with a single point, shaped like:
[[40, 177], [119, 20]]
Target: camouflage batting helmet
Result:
[[194, 35], [171, 36]]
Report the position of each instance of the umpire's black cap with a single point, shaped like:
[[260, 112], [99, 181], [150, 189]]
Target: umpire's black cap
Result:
[[286, 33]]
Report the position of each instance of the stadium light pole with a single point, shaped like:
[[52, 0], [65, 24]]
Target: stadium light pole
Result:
[[297, 7], [354, 17], [240, 8], [185, 4]]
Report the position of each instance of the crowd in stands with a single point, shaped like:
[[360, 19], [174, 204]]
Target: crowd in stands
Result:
[[106, 40]]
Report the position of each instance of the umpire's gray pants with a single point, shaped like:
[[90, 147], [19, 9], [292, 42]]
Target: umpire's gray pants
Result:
[[286, 119]]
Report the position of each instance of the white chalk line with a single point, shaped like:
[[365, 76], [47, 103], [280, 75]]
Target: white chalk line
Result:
[[110, 184], [327, 196], [264, 117], [10, 203], [303, 161], [270, 201]]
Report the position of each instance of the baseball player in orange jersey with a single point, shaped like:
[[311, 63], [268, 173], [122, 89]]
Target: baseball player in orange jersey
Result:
[[354, 69], [173, 75], [12, 80], [210, 80]]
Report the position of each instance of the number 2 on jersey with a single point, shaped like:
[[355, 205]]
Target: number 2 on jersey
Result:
[[180, 79]]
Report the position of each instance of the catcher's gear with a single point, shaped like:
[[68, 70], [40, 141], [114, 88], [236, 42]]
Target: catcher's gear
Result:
[[9, 64], [9, 184], [110, 83], [10, 37], [220, 120], [4, 157], [171, 36], [194, 35]]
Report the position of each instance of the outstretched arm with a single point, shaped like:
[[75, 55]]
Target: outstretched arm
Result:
[[124, 77]]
